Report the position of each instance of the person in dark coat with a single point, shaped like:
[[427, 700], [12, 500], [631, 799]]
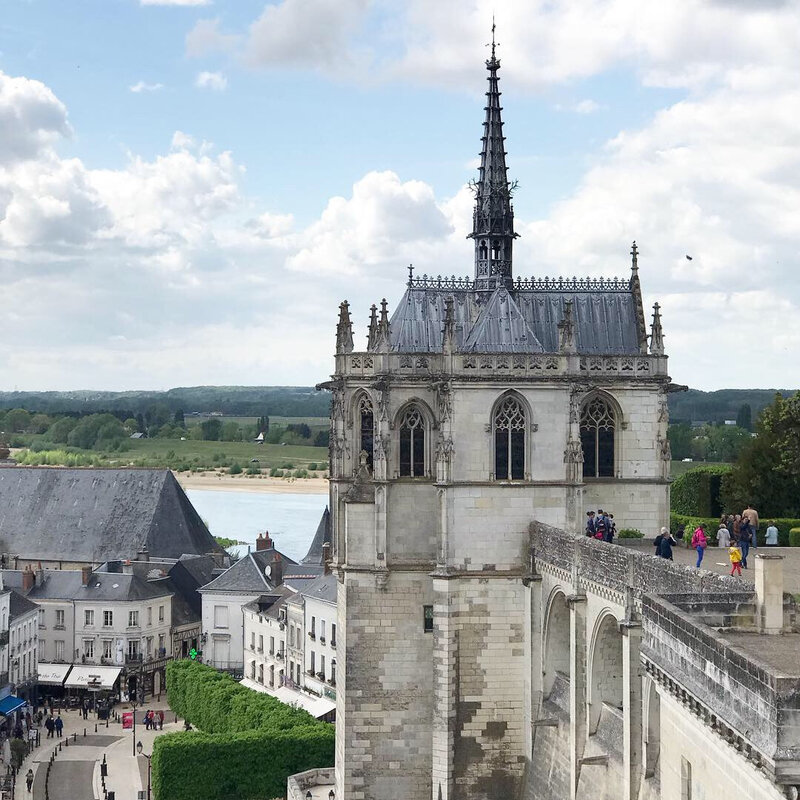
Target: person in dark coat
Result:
[[59, 723], [657, 541], [50, 725], [667, 543], [745, 539]]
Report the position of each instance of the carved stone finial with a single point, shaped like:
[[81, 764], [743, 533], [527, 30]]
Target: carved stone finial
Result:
[[449, 329], [566, 330], [410, 274], [372, 331], [656, 333], [344, 329], [634, 258]]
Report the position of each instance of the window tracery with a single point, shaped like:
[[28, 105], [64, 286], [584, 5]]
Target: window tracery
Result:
[[412, 443], [366, 418], [598, 430], [510, 426]]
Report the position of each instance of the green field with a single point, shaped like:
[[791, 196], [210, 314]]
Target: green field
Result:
[[312, 422]]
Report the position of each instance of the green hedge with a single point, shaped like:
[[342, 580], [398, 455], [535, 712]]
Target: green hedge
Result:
[[249, 745], [784, 525], [794, 537], [696, 492]]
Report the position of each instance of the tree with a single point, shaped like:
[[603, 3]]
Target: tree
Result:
[[680, 440], [263, 425], [211, 429], [59, 431], [767, 472], [231, 432], [179, 419], [744, 418], [322, 438], [300, 428], [17, 420], [39, 423]]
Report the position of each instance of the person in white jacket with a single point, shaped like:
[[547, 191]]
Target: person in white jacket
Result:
[[723, 537]]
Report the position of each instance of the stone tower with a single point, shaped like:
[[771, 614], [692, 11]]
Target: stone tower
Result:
[[482, 404]]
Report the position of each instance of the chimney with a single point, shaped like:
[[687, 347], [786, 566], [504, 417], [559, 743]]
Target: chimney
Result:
[[769, 593], [127, 568], [28, 579], [326, 558], [39, 574], [143, 554], [86, 574], [277, 570], [260, 543]]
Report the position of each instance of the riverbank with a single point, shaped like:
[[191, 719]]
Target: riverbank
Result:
[[220, 481]]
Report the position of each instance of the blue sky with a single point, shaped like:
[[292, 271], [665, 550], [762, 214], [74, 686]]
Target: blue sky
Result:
[[187, 182]]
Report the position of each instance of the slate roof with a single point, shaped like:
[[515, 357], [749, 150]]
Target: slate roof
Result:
[[19, 605], [95, 515], [269, 605], [524, 320], [67, 584], [324, 588], [321, 537], [247, 575]]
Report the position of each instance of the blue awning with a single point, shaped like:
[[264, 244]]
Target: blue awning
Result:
[[8, 705]]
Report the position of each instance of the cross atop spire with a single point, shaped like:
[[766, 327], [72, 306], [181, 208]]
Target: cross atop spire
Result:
[[493, 218]]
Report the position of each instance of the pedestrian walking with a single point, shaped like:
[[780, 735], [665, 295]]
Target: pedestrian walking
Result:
[[51, 726], [723, 536], [771, 538], [59, 723], [745, 538], [590, 529], [29, 780], [699, 543], [735, 556], [751, 515], [160, 720]]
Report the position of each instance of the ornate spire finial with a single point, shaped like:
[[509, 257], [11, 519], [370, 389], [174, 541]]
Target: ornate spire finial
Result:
[[493, 218], [656, 333], [634, 258], [410, 274], [382, 340], [344, 329], [372, 331]]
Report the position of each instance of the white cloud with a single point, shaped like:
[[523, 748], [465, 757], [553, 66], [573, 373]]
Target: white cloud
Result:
[[31, 118], [205, 37], [141, 86], [581, 107], [306, 33], [211, 80]]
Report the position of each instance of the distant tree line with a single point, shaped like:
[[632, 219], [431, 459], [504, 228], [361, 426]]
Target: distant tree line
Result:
[[724, 404], [245, 401]]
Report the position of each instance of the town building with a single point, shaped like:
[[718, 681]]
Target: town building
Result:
[[68, 518], [483, 403], [22, 645], [265, 633], [318, 604], [256, 574]]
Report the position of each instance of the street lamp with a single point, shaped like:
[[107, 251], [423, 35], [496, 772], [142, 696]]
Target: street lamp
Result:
[[139, 751]]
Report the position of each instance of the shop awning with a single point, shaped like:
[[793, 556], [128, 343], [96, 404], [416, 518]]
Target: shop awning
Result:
[[9, 704], [316, 706], [90, 676], [52, 674]]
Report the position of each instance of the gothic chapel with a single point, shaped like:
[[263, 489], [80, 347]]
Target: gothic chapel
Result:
[[480, 405]]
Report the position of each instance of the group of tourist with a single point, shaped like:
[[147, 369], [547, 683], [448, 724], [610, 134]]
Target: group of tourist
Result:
[[601, 525], [737, 534], [154, 720]]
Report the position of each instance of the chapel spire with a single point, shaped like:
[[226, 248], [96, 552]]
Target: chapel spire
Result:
[[493, 218]]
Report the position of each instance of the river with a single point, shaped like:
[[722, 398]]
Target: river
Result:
[[291, 519]]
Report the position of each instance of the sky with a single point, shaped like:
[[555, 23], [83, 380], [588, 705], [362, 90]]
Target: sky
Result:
[[189, 188]]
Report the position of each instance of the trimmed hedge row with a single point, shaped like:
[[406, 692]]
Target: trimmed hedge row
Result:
[[697, 491], [784, 525], [250, 742]]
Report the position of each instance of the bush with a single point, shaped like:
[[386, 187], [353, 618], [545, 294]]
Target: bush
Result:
[[794, 537], [253, 470], [235, 469], [630, 533], [276, 473], [300, 473], [313, 466], [250, 743], [697, 491], [287, 465]]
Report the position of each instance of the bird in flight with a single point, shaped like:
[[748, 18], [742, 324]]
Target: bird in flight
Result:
[[688, 258]]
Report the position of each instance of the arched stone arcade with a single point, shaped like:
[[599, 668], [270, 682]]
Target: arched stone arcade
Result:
[[557, 642]]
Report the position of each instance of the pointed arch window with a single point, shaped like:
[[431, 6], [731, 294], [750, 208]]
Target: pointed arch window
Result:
[[366, 419], [598, 429], [412, 443], [510, 426]]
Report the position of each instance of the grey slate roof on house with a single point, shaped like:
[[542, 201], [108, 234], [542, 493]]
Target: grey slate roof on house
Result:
[[247, 575], [94, 515], [269, 605], [19, 605], [323, 588], [67, 584]]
